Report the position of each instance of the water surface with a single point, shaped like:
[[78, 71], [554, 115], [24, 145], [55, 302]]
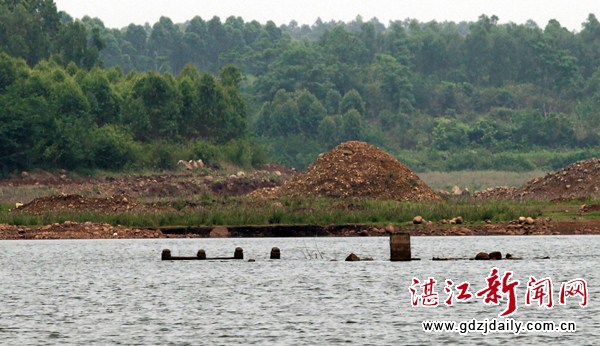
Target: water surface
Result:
[[73, 292]]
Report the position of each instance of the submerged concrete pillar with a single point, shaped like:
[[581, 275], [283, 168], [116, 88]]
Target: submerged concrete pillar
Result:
[[239, 253], [400, 247], [275, 253]]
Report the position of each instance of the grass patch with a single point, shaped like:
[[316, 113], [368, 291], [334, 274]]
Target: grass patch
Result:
[[477, 180], [24, 193], [321, 211]]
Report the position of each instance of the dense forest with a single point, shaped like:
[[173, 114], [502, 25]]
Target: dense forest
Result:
[[440, 96]]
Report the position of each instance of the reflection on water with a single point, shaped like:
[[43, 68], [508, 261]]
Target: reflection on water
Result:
[[119, 292]]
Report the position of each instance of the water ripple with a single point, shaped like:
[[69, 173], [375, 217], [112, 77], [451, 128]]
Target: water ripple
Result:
[[119, 292]]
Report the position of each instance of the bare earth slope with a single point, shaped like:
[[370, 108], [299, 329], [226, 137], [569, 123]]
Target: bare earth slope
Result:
[[579, 180], [358, 169]]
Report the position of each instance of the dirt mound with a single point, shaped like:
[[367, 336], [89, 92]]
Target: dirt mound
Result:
[[358, 169], [576, 181], [65, 203]]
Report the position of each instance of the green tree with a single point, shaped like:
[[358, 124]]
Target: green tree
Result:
[[103, 100], [352, 125], [352, 100], [449, 134], [154, 108]]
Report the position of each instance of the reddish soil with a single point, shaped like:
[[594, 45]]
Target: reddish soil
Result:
[[578, 181], [88, 230], [152, 188], [63, 203], [353, 169], [356, 170]]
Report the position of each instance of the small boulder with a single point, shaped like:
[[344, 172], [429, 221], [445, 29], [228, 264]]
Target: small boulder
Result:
[[417, 220], [24, 174], [458, 220], [496, 255], [482, 256], [456, 190], [363, 233], [522, 219], [352, 258], [529, 221]]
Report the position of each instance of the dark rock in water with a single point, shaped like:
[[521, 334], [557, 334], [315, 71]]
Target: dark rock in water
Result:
[[275, 253], [482, 256], [201, 254], [496, 255], [352, 258], [251, 260], [509, 256], [166, 254], [369, 258]]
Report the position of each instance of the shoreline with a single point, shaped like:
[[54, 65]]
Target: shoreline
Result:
[[88, 230]]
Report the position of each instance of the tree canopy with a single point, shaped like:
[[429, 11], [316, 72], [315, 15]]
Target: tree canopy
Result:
[[419, 89]]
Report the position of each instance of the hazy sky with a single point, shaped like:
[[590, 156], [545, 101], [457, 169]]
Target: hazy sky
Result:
[[120, 13]]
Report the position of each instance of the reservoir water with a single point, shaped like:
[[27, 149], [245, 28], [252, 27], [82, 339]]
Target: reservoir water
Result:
[[119, 292]]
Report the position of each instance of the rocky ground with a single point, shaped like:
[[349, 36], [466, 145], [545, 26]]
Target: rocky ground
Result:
[[88, 230], [578, 181], [146, 188], [351, 170], [104, 205]]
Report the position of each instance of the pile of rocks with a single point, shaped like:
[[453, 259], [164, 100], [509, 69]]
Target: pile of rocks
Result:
[[356, 170], [579, 180]]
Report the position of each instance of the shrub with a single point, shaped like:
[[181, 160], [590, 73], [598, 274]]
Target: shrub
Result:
[[112, 148]]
